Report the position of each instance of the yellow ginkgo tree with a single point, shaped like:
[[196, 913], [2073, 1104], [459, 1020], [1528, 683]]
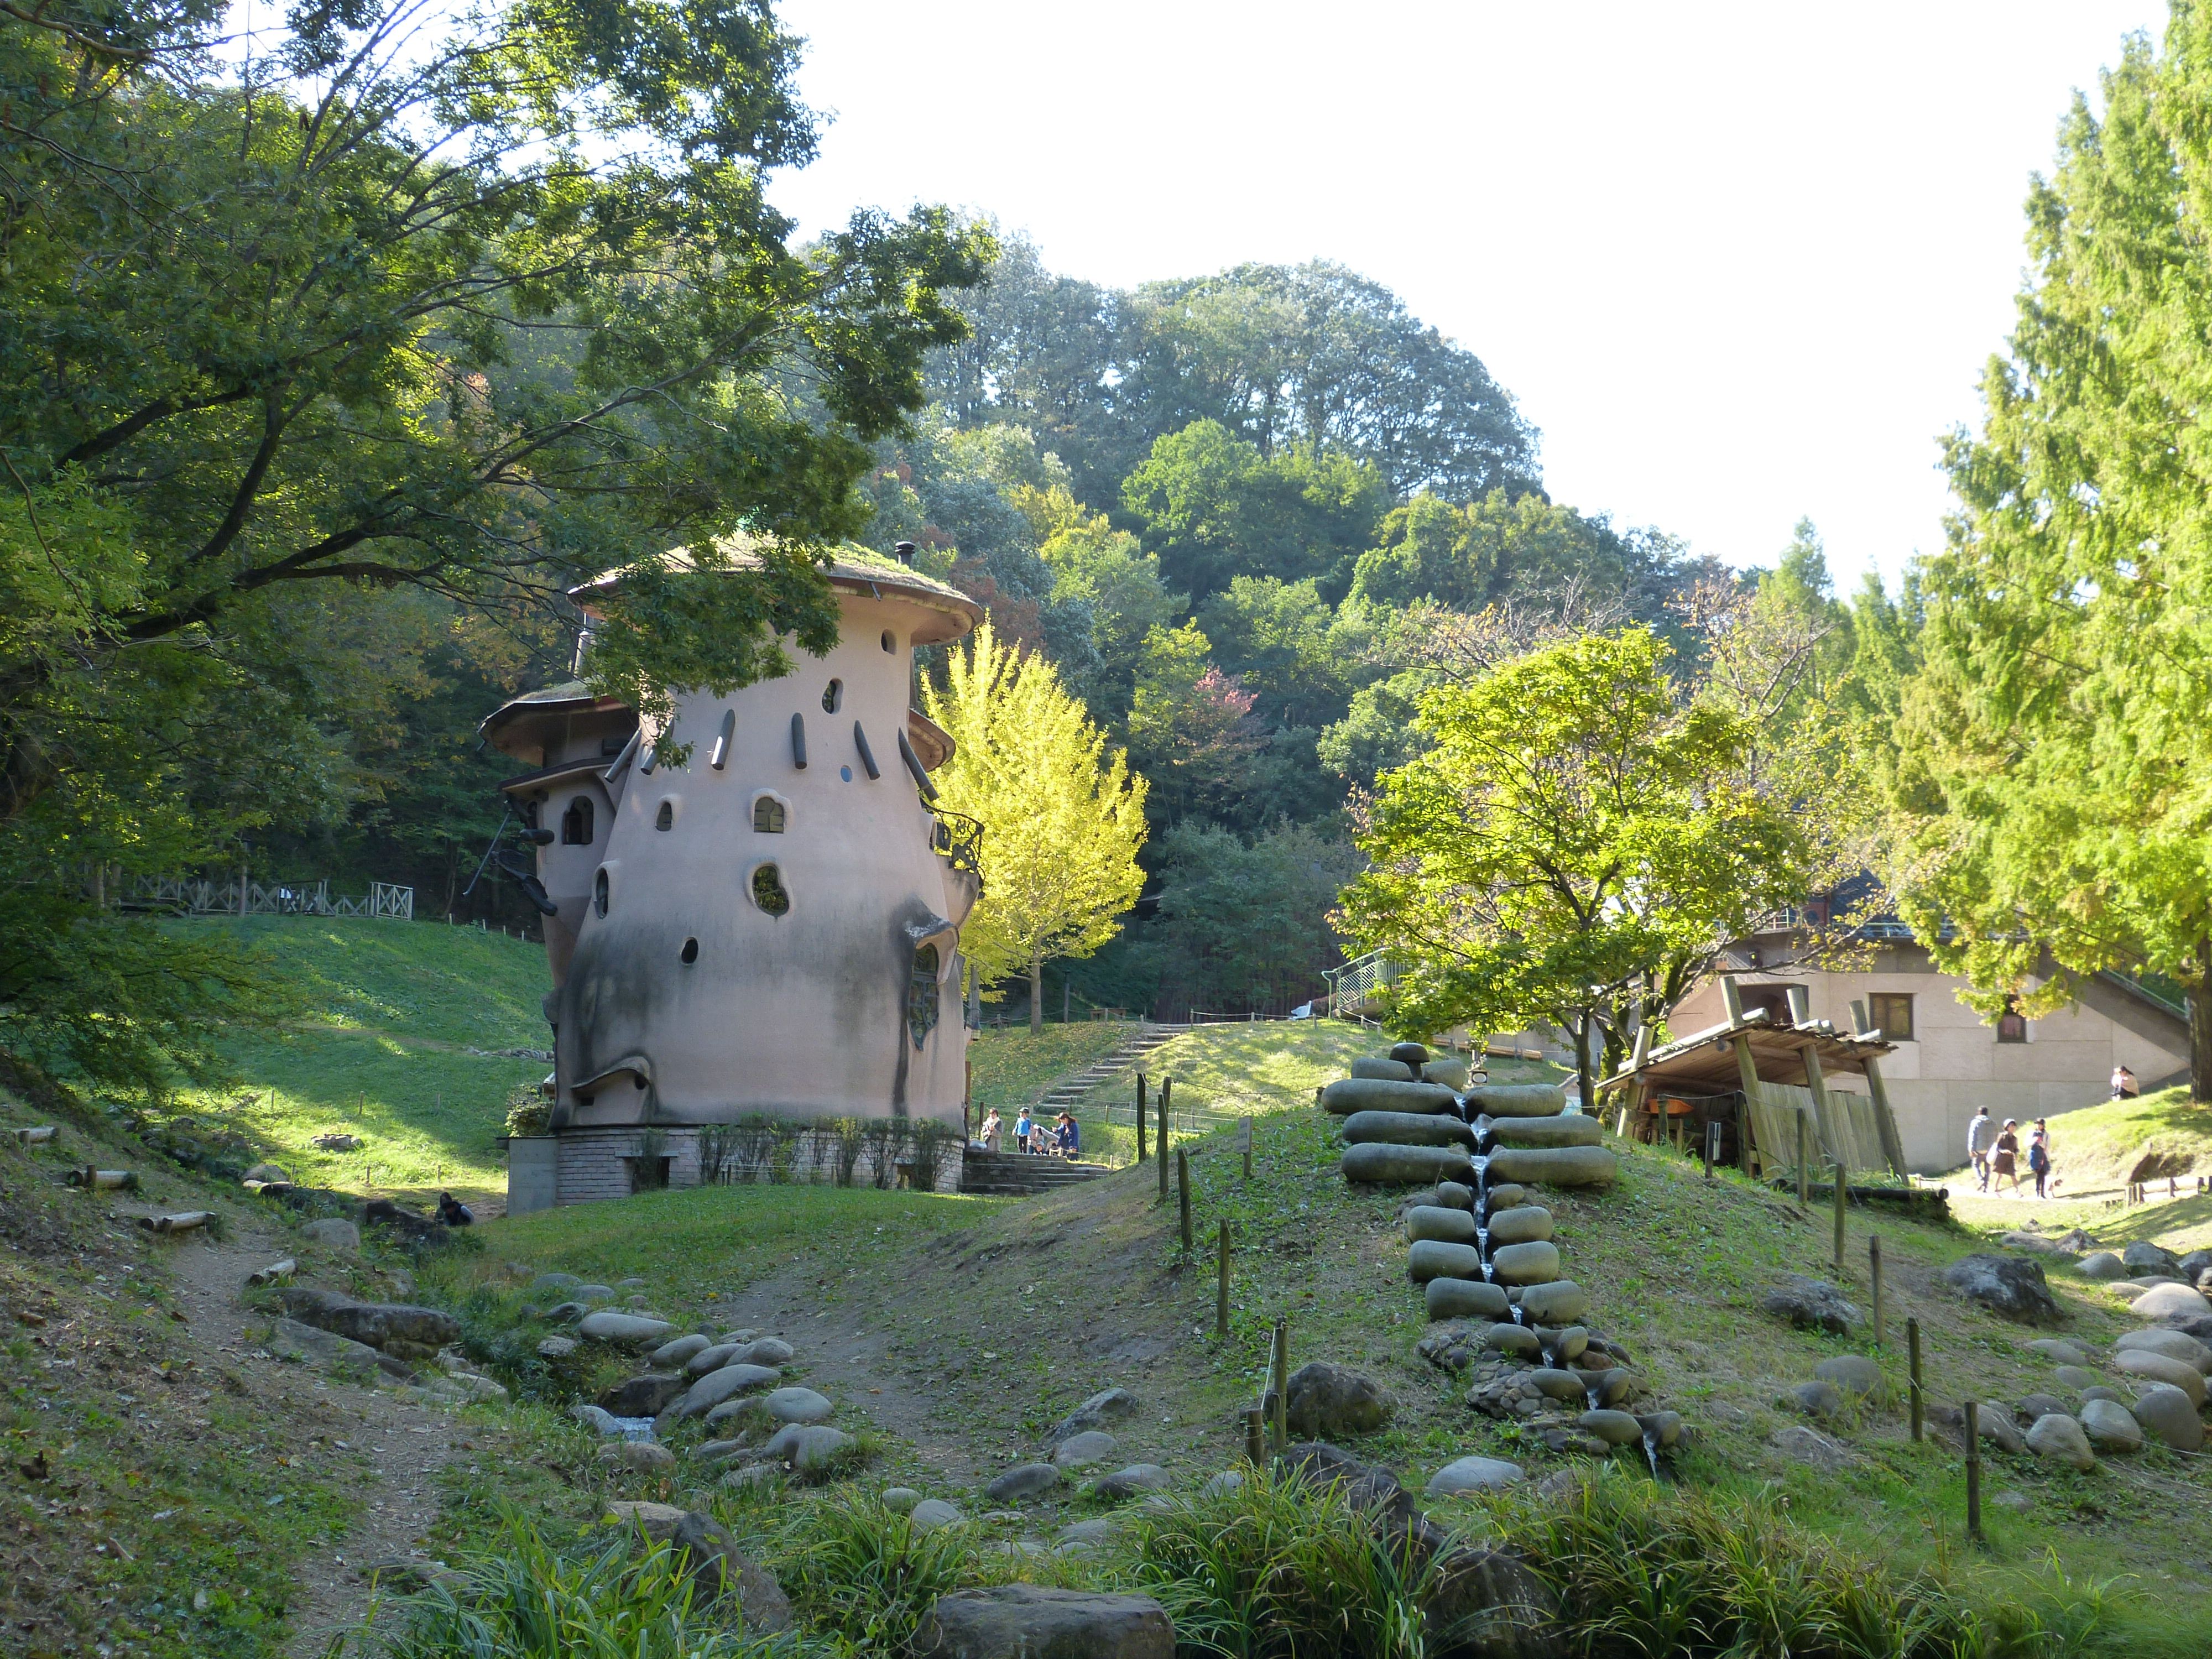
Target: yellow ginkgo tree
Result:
[[1063, 816]]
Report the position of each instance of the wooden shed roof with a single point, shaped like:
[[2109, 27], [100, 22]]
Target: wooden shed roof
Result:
[[1705, 1062]]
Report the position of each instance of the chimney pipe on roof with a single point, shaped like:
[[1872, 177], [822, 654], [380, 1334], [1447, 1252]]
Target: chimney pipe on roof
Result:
[[905, 551]]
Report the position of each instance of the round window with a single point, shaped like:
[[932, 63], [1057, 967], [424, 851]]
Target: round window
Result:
[[690, 952], [599, 892]]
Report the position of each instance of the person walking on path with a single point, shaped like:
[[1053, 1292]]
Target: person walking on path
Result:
[[2039, 1160], [993, 1129], [1979, 1134], [2007, 1162], [1023, 1125]]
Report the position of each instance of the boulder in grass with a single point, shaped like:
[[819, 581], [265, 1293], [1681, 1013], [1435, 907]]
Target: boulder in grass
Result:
[[2157, 1368], [2110, 1427], [1369, 1094], [2062, 1441], [675, 1354], [1028, 1621], [2173, 1304], [1517, 1099], [623, 1330], [1327, 1400], [2168, 1417], [1128, 1482], [2174, 1344], [2010, 1286], [1469, 1474], [727, 1383], [1023, 1481], [808, 1446], [2102, 1265], [1810, 1305], [1556, 1166], [1385, 1165], [1434, 1259], [1107, 1406], [2143, 1259], [2059, 1350], [1407, 1129]]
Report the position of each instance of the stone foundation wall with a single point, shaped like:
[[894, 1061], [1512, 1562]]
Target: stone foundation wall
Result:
[[596, 1164]]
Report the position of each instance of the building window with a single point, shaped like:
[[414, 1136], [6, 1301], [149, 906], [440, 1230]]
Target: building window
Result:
[[599, 892], [890, 644], [922, 994], [768, 891], [1891, 1014], [576, 823], [768, 816], [2012, 1025], [833, 697], [690, 952], [666, 820]]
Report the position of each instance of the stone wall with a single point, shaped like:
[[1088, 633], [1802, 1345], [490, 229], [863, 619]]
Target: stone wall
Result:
[[595, 1163]]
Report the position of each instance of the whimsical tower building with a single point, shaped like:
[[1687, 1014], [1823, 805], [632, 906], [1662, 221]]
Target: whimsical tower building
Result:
[[773, 926]]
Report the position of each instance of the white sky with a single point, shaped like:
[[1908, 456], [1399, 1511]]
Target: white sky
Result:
[[1738, 263]]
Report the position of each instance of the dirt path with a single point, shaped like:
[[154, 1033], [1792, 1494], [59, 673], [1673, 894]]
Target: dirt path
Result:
[[406, 1443]]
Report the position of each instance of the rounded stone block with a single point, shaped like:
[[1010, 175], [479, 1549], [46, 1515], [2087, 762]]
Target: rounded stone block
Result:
[[1556, 1166], [1405, 1166], [1451, 1070], [1559, 1303], [1517, 1099], [1434, 1259], [1389, 1071], [1464, 1299], [1614, 1428], [1524, 1223], [1535, 1263], [1573, 1129], [1407, 1129], [2174, 1344], [1507, 1196], [1455, 1196], [1434, 1221], [2157, 1368], [1411, 1053], [1374, 1094]]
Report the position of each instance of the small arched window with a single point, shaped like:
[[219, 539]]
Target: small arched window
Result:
[[768, 816], [768, 891], [922, 994], [599, 892], [2012, 1025], [833, 697], [666, 818], [576, 823], [890, 644], [691, 953]]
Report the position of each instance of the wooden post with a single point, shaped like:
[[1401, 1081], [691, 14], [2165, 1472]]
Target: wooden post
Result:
[[1712, 1142], [1732, 999], [1244, 1139], [1804, 1183], [1885, 1120], [1832, 1134], [1221, 1290], [1912, 1350], [1143, 1106], [1160, 1146], [1182, 1196], [1282, 1386], [1974, 1470], [1873, 1269], [1255, 1436], [1801, 1003], [1843, 1197]]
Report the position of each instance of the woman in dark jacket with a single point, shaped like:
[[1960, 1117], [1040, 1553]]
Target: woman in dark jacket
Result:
[[2007, 1161]]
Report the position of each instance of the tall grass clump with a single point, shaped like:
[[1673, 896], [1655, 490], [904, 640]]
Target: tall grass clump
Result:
[[866, 1573], [1645, 1573], [526, 1600]]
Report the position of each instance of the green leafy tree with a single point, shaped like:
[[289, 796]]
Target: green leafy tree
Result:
[[1063, 818], [1578, 841], [2052, 817], [1245, 921], [1190, 725]]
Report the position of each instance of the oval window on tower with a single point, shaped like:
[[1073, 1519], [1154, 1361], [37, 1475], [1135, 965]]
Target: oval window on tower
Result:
[[599, 892], [666, 819], [890, 644], [768, 816], [768, 890], [576, 823], [833, 697]]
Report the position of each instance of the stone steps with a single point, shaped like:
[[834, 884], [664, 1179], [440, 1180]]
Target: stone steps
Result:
[[1019, 1175], [1070, 1091]]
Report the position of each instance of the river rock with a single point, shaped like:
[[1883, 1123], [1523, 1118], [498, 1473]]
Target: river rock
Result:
[[624, 1330], [807, 1446], [674, 1355], [592, 1418], [642, 1396], [1023, 1481], [711, 1359], [589, 1293], [557, 1347], [2167, 1415], [1434, 1259], [1525, 1264], [1570, 1386], [638, 1456], [798, 1405], [1810, 1446], [1107, 1406], [1565, 1344], [1028, 1622], [339, 1235], [1327, 1400], [1556, 1166], [1996, 1425], [1559, 1303], [1614, 1428], [727, 1383], [1227, 1484], [1445, 1226], [2156, 1367], [1451, 1195], [1575, 1129], [2058, 1348], [1516, 1100], [1810, 1305], [2109, 1428], [1407, 1129], [1507, 1196], [1663, 1428], [1383, 1165], [290, 1340], [1387, 1071], [2174, 1344], [1127, 1483], [1464, 1299], [1473, 1474], [1819, 1399], [2076, 1377], [1369, 1094], [2172, 1303], [2010, 1286], [2143, 1257], [932, 1513], [764, 1351], [1516, 1339], [722, 1568], [2061, 1440], [1080, 1451], [2102, 1265], [1855, 1374], [1524, 1223]]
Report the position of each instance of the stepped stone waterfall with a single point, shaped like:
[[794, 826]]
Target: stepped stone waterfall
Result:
[[1479, 1240]]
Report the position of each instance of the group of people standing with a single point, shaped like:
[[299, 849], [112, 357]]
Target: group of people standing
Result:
[[1994, 1152], [1032, 1134]]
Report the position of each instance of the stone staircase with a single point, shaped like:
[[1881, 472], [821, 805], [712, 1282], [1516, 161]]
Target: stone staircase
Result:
[[1022, 1174], [1067, 1094]]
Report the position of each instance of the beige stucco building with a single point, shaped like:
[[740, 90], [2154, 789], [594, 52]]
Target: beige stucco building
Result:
[[772, 925], [1950, 1059]]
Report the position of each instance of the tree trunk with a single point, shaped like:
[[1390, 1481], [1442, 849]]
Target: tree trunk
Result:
[[1036, 994], [2200, 1025], [1582, 1059]]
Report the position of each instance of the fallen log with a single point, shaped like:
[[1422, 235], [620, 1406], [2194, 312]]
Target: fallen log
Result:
[[273, 1272], [188, 1221], [32, 1137], [102, 1181]]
